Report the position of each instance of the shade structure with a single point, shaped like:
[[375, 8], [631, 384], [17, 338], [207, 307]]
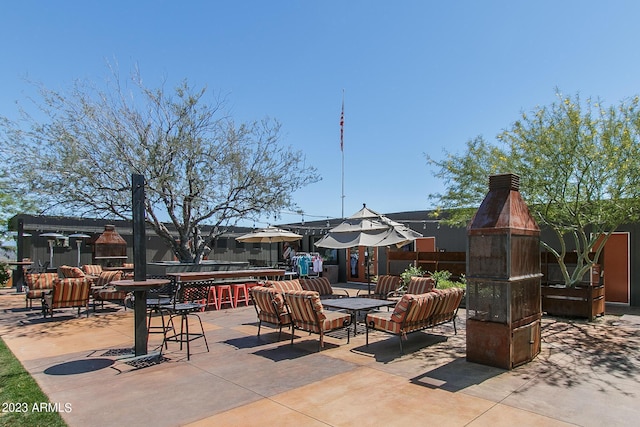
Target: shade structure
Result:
[[269, 235], [367, 228]]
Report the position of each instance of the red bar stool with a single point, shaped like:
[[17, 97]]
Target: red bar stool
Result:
[[240, 294], [249, 286], [212, 299], [224, 296]]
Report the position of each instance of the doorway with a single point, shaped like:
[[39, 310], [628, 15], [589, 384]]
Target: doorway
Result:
[[616, 268], [356, 268]]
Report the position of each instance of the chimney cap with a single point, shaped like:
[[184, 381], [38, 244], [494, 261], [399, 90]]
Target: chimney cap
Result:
[[505, 181]]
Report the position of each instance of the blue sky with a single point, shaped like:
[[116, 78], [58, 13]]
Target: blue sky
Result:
[[418, 76]]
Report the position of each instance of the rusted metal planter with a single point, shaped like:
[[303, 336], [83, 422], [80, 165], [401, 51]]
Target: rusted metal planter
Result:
[[582, 302]]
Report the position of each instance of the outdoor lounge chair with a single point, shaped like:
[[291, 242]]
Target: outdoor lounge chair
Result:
[[68, 271], [68, 292], [269, 306], [307, 314], [102, 290], [322, 286], [385, 287], [284, 285], [420, 285], [92, 269], [36, 285], [417, 312]]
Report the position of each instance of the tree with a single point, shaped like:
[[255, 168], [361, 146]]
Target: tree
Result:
[[579, 164], [13, 198], [200, 167]]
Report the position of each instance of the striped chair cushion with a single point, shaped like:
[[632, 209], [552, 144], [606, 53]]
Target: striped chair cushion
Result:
[[448, 302], [382, 321], [386, 284], [285, 285], [401, 308], [69, 292], [420, 285], [92, 269], [264, 298], [68, 271], [109, 294], [38, 284], [107, 277], [304, 306], [420, 312], [334, 320], [40, 280], [321, 285]]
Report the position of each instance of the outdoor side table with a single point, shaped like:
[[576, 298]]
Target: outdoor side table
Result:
[[139, 289]]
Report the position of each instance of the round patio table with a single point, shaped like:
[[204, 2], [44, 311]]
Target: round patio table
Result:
[[139, 289]]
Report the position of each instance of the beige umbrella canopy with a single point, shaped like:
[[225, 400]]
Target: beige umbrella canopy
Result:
[[269, 235], [367, 228]]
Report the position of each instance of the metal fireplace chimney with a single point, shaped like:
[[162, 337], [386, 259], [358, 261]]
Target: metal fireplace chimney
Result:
[[503, 278], [110, 249]]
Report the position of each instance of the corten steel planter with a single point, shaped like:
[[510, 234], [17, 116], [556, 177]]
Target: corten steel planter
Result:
[[503, 279], [581, 301]]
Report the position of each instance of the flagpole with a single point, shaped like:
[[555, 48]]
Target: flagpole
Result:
[[342, 149]]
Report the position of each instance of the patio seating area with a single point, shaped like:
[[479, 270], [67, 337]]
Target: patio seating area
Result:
[[587, 374]]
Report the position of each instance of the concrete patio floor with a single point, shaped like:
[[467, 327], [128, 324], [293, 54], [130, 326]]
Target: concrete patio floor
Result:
[[587, 374]]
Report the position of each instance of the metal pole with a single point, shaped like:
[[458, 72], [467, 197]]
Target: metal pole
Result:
[[19, 279], [139, 263], [78, 243], [342, 149]]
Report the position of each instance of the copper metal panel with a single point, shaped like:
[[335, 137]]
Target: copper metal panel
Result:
[[488, 343], [526, 343]]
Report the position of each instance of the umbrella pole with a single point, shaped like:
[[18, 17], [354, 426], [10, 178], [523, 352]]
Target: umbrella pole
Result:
[[366, 272]]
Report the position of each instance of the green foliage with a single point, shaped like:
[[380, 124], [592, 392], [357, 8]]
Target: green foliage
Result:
[[579, 165], [200, 166], [16, 385], [440, 276], [5, 273]]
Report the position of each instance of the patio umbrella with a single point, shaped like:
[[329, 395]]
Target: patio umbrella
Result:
[[269, 235], [79, 237], [367, 228]]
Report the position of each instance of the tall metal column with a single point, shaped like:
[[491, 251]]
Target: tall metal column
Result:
[[139, 262]]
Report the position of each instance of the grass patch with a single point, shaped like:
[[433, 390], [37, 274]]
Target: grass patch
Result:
[[18, 395]]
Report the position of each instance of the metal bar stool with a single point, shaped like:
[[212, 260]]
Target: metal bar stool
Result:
[[190, 298]]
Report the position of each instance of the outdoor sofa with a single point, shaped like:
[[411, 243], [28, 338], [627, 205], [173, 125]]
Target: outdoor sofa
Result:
[[415, 313]]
